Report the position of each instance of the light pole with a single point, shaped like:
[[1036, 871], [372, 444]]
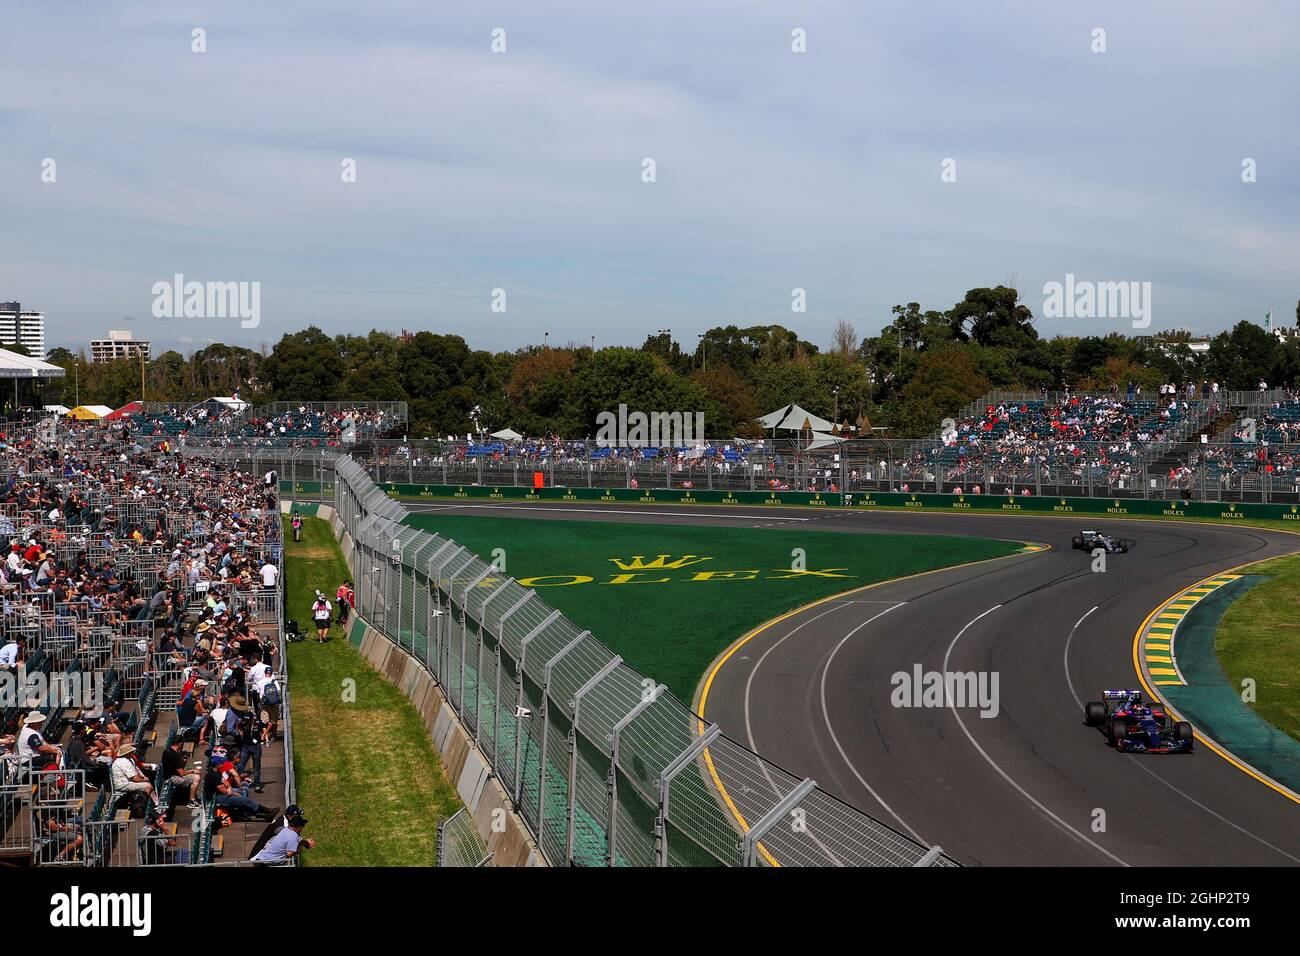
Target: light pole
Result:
[[836, 417], [546, 340], [704, 353]]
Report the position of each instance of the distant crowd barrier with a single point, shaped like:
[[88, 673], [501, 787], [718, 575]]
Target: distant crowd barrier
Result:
[[605, 766], [1237, 470], [1011, 504]]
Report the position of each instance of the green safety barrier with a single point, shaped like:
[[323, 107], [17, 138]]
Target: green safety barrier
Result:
[[1027, 504]]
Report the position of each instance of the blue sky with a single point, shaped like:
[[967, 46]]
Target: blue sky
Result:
[[522, 170]]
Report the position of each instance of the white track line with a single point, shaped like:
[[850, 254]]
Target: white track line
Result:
[[826, 717], [1066, 655], [993, 763], [749, 727]]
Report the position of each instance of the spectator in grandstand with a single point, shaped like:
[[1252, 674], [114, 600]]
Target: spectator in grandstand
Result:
[[9, 655], [320, 613], [287, 843], [224, 782], [270, 574], [83, 753], [156, 846], [34, 747], [248, 738], [270, 697], [66, 835], [128, 775], [191, 715], [176, 773]]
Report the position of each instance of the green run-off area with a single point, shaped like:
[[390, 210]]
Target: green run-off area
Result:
[[670, 598], [1259, 639]]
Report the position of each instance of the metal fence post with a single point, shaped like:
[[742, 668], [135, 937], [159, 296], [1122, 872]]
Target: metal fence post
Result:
[[774, 816], [611, 829], [680, 762], [478, 681], [464, 628], [519, 698], [546, 709], [576, 703], [496, 713]]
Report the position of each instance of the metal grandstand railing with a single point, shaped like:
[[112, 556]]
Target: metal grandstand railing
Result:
[[605, 766]]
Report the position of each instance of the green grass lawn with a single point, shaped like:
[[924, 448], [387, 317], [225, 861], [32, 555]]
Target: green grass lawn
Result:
[[1259, 637], [368, 778], [672, 619]]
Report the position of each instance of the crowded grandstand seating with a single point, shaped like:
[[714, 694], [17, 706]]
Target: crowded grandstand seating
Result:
[[293, 424], [132, 597]]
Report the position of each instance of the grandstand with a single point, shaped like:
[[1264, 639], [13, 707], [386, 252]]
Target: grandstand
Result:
[[143, 576], [1191, 444], [278, 424]]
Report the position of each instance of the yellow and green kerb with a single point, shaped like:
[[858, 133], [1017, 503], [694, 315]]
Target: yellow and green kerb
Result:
[[1158, 649]]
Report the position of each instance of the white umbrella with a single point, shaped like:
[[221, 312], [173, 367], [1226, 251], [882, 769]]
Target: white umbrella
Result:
[[507, 434]]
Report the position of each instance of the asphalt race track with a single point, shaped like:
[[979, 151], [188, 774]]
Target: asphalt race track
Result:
[[812, 692]]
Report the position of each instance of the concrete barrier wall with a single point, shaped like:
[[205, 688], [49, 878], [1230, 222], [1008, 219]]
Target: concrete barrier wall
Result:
[[508, 838]]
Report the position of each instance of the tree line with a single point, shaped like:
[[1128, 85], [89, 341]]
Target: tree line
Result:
[[924, 364]]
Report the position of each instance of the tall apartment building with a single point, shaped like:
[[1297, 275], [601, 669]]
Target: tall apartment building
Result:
[[119, 344], [20, 327]]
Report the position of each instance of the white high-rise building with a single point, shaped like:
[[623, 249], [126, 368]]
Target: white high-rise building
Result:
[[21, 327], [119, 344]]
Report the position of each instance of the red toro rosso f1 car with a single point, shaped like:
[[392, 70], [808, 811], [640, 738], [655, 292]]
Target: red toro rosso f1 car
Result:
[[1132, 726]]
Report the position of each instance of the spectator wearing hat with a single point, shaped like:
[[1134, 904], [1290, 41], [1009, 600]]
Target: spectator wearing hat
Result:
[[287, 843], [128, 776], [33, 746], [224, 783], [320, 613]]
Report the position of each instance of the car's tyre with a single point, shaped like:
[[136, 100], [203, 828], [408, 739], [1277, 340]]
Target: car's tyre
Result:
[[1077, 543], [1094, 713], [1182, 730], [1118, 731]]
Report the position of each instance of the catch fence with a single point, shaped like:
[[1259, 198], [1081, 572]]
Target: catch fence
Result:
[[603, 764]]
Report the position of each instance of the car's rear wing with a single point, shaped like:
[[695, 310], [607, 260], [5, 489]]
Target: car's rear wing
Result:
[[1120, 694]]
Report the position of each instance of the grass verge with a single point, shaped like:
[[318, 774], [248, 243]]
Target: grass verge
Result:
[[1259, 638], [670, 598], [368, 777]]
